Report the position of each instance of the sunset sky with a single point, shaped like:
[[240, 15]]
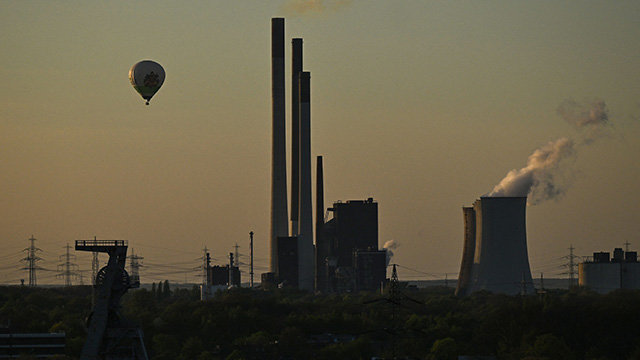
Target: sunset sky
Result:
[[423, 105]]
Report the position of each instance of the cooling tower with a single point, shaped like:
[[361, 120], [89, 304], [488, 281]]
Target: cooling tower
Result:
[[468, 252], [500, 259], [279, 221]]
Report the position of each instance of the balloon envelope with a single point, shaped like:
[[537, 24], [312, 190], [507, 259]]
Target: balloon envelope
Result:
[[146, 77]]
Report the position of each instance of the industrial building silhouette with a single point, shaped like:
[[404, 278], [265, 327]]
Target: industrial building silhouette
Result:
[[604, 274], [345, 256]]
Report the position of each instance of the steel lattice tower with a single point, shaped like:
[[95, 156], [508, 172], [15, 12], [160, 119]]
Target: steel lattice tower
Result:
[[67, 268], [31, 261]]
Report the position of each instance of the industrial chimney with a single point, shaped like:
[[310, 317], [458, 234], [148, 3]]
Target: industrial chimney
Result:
[[296, 69], [306, 278], [279, 221], [500, 259], [322, 250]]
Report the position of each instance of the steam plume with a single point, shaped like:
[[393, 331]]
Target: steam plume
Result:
[[545, 176], [303, 7], [389, 246], [591, 113], [538, 179], [590, 116]]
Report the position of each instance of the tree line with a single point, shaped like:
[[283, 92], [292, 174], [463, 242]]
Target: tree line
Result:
[[286, 324]]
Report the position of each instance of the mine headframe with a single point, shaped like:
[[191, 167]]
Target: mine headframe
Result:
[[109, 335]]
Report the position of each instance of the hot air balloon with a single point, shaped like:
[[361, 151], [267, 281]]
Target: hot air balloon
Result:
[[146, 77]]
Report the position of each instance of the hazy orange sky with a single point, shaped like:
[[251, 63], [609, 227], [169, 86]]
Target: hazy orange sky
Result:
[[423, 105]]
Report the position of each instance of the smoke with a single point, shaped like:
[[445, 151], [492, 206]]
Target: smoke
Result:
[[590, 117], [590, 113], [293, 8], [546, 175], [389, 246]]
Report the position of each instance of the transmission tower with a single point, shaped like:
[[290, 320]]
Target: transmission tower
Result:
[[395, 299], [67, 269], [95, 265], [31, 261], [571, 265], [206, 263], [134, 268], [94, 268], [237, 255]]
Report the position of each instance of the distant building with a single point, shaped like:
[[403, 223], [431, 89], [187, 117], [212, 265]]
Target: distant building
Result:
[[355, 225], [220, 278], [287, 272], [603, 274], [352, 260], [370, 269], [219, 275]]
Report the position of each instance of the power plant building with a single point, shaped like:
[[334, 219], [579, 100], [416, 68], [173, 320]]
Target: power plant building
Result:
[[370, 269], [288, 256], [352, 260], [347, 247], [604, 274], [495, 254], [355, 226]]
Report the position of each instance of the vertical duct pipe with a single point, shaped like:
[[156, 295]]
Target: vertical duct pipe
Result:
[[279, 221], [305, 217], [321, 248], [296, 69]]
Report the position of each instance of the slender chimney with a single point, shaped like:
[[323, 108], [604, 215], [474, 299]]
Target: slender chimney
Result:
[[321, 247], [305, 217], [279, 221], [251, 263], [231, 279], [296, 68]]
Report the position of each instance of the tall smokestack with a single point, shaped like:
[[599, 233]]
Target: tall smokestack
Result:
[[279, 219], [296, 69], [321, 246], [305, 217]]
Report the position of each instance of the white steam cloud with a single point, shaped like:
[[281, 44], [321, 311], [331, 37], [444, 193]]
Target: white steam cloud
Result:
[[546, 175], [389, 246], [293, 8], [538, 179]]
